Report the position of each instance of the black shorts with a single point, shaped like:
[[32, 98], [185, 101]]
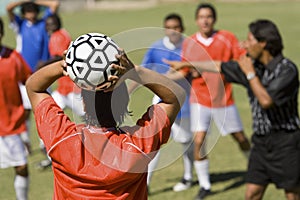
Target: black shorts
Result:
[[275, 158]]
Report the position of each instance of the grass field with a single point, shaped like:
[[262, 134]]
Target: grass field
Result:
[[227, 164]]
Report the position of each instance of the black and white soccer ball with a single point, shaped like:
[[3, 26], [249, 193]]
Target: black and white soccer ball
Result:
[[89, 60]]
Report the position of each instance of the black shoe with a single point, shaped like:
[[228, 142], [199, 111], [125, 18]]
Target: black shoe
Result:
[[202, 194]]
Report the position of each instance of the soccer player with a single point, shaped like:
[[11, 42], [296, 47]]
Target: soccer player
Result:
[[169, 47], [14, 69], [32, 40], [212, 97], [100, 159], [272, 85]]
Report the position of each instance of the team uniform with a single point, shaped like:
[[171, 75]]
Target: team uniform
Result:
[[67, 93], [32, 44], [13, 70], [121, 154], [181, 127], [275, 155], [211, 96]]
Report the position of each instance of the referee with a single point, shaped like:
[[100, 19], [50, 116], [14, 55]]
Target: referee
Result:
[[272, 84]]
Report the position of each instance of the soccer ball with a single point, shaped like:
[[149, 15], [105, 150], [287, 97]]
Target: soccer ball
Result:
[[89, 60]]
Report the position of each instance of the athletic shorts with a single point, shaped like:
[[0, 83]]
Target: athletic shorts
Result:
[[227, 118], [25, 98], [181, 131], [181, 128], [71, 100], [275, 158], [12, 151]]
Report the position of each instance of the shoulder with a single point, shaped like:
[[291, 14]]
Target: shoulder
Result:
[[226, 33]]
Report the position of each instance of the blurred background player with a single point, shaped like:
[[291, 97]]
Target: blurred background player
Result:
[[14, 69], [272, 85], [31, 40], [169, 47], [107, 161], [213, 99]]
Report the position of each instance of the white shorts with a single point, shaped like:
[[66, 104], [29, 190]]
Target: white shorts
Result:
[[72, 101], [181, 128], [12, 151], [227, 119], [181, 131], [25, 98]]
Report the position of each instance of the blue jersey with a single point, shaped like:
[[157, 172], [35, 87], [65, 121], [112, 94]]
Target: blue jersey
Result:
[[153, 59], [32, 39]]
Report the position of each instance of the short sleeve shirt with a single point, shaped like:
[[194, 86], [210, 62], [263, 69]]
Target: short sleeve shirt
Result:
[[13, 70], [280, 78], [100, 163]]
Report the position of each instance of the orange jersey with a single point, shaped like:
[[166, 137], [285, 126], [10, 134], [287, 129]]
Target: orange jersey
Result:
[[100, 163], [58, 43], [13, 70], [211, 89]]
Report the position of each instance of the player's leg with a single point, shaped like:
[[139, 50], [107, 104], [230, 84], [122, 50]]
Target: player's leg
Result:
[[13, 154], [181, 133], [228, 121], [254, 191], [21, 182], [200, 123], [151, 168], [292, 194]]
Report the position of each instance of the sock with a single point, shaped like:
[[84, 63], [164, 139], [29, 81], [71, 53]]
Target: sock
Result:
[[201, 167], [21, 187], [188, 160], [152, 166]]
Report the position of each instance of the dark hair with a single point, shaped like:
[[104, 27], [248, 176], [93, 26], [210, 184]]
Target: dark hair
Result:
[[176, 17], [29, 7], [266, 31], [106, 109], [209, 6], [1, 27], [56, 19]]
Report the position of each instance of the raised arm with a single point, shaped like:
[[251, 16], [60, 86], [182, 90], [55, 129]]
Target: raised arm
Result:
[[52, 4], [38, 82], [171, 94], [10, 9], [201, 66]]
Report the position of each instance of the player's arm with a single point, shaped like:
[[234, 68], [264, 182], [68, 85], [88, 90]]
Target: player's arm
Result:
[[38, 82], [201, 66], [171, 94], [52, 4], [10, 9]]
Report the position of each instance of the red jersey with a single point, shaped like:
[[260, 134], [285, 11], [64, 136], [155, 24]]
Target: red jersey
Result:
[[58, 43], [98, 163], [211, 89], [13, 70]]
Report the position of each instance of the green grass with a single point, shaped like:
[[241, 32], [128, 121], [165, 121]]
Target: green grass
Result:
[[227, 164]]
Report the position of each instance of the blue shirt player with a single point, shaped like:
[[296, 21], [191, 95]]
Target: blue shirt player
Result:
[[169, 47], [32, 37]]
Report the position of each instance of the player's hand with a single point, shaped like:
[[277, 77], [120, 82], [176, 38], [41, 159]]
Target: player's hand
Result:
[[246, 64], [175, 64]]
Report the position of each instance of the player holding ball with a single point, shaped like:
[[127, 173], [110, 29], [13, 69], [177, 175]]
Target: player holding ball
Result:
[[100, 159]]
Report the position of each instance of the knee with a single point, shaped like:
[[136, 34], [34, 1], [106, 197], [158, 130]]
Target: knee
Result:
[[22, 170]]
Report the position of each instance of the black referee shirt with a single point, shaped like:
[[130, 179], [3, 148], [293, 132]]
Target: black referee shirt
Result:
[[280, 78]]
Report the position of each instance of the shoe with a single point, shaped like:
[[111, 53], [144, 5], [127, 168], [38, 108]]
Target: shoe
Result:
[[202, 194], [44, 164], [182, 185]]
